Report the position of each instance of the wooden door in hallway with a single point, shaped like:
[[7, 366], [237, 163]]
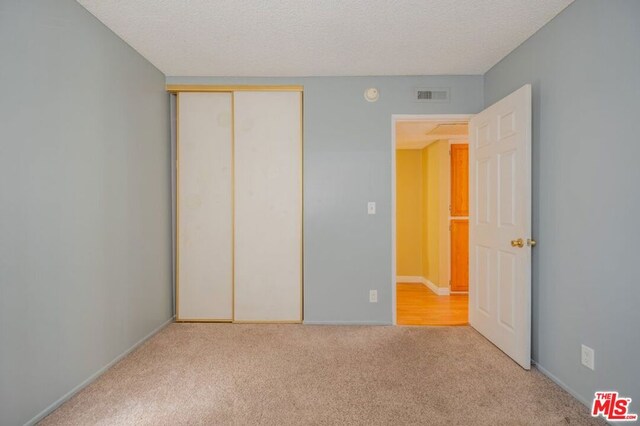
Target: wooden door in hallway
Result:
[[459, 224], [460, 180]]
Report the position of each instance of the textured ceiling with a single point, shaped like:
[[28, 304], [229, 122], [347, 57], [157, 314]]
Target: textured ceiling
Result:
[[324, 37], [417, 134]]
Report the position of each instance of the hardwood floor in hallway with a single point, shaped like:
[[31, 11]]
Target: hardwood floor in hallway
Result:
[[417, 305]]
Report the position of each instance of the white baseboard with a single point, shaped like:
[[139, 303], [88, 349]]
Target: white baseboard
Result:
[[440, 291], [560, 383], [95, 375], [346, 323]]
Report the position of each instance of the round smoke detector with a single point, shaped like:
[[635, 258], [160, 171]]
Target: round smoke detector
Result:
[[371, 94]]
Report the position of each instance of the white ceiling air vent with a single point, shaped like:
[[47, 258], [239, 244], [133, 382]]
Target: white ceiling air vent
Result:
[[431, 95]]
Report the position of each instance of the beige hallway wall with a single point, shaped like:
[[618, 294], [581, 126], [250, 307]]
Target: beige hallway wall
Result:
[[422, 193], [409, 212], [435, 181]]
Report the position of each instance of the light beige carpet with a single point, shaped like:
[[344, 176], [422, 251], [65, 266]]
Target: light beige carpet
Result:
[[232, 374]]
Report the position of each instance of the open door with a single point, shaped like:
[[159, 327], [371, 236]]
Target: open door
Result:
[[500, 224]]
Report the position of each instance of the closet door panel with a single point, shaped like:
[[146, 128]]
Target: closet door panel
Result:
[[268, 206], [205, 224]]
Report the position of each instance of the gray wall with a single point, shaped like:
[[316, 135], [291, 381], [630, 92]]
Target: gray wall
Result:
[[585, 70], [347, 162], [85, 255]]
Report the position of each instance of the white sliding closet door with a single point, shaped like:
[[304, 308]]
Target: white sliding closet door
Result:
[[268, 206], [205, 224]]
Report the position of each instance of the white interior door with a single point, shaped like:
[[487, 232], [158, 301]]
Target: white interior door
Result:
[[268, 206], [204, 215], [500, 224]]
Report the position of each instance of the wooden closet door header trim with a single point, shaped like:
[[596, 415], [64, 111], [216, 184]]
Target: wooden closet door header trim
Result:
[[176, 88]]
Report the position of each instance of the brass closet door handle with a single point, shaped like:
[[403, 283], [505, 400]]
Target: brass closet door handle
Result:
[[531, 242]]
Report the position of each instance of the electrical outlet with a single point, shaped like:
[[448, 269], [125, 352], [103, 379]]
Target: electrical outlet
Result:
[[373, 296], [371, 207], [588, 357]]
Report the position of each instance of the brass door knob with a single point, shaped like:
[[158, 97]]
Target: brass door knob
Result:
[[517, 243], [531, 243]]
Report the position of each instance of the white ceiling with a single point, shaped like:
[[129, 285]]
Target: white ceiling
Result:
[[324, 37], [417, 134]]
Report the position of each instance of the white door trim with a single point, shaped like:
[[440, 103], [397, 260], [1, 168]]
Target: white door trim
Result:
[[394, 119]]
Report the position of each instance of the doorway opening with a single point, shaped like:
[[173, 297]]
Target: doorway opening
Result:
[[431, 203]]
